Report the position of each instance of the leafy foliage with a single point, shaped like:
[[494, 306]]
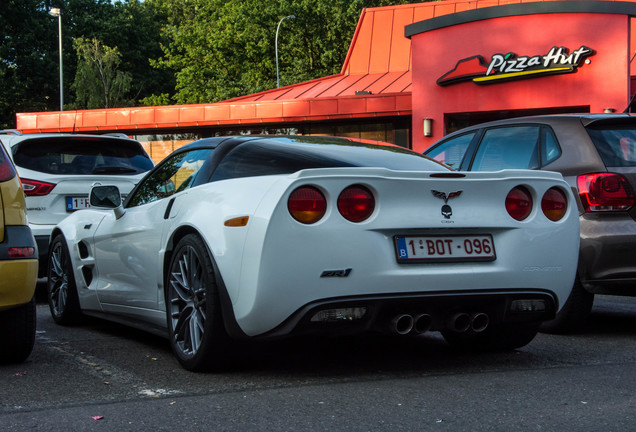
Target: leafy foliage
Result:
[[98, 81], [29, 56], [219, 49], [183, 51], [28, 59]]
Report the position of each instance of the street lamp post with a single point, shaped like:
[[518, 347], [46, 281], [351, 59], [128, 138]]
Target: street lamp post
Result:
[[276, 45], [58, 13]]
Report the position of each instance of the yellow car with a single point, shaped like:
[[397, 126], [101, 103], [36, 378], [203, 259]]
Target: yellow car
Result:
[[18, 268]]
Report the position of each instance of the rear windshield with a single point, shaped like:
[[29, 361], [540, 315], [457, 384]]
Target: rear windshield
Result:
[[80, 155], [615, 144], [266, 158]]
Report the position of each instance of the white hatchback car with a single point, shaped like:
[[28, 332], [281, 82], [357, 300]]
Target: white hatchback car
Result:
[[58, 170]]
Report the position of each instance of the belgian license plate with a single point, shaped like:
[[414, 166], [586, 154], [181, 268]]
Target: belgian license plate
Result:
[[445, 248], [76, 203]]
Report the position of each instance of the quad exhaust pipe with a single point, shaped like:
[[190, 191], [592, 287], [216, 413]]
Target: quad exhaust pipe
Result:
[[405, 323], [462, 322], [422, 323], [479, 322], [402, 324]]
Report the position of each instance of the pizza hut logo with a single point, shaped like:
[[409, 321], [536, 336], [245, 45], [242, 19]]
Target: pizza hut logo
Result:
[[508, 67]]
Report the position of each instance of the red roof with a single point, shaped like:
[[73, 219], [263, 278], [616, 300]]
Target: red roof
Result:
[[375, 81]]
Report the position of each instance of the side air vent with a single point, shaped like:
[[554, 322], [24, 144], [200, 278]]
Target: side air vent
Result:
[[87, 272], [83, 250]]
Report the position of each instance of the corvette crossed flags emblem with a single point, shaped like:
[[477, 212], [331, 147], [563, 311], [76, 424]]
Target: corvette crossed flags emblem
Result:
[[444, 196]]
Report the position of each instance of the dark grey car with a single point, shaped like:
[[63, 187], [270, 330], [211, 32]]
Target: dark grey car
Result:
[[596, 153]]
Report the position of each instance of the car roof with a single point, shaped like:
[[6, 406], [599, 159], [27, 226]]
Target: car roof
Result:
[[14, 136], [585, 119], [284, 140]]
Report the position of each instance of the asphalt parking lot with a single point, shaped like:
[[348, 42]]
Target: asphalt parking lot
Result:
[[102, 376]]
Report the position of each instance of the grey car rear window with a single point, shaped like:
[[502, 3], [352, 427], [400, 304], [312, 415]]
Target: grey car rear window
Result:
[[82, 156], [452, 151], [508, 147], [615, 145]]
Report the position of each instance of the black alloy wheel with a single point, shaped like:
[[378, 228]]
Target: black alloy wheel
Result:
[[61, 288], [196, 330]]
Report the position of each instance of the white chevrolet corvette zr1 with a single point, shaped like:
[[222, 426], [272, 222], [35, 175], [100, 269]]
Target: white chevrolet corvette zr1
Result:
[[268, 236]]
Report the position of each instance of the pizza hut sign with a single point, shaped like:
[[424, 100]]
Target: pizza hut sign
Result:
[[507, 67]]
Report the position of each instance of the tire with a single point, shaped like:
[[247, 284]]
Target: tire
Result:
[[61, 288], [499, 337], [197, 334], [574, 312], [17, 333]]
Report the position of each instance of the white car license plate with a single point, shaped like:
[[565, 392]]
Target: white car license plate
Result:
[[445, 248], [77, 203]]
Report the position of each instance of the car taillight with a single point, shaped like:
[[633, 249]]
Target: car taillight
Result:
[[554, 204], [603, 192], [36, 188], [519, 203], [21, 252], [356, 203], [7, 172], [307, 204]]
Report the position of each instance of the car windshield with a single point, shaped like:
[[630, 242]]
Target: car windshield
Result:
[[82, 155], [616, 145]]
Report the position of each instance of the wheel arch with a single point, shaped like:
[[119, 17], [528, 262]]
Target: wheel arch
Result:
[[227, 311], [177, 235], [54, 234]]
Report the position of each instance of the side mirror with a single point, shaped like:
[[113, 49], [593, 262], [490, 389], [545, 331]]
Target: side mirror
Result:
[[107, 197]]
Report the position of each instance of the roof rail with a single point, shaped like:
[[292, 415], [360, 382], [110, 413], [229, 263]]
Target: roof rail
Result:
[[10, 132]]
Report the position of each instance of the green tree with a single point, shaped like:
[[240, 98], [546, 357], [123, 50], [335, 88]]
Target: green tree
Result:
[[201, 50], [134, 27], [29, 65], [98, 81], [219, 49], [28, 59]]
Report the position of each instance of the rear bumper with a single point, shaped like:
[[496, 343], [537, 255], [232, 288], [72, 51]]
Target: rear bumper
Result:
[[441, 309], [607, 257], [19, 275], [364, 266]]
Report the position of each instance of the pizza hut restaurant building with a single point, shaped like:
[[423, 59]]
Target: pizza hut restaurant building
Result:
[[414, 73], [520, 59]]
